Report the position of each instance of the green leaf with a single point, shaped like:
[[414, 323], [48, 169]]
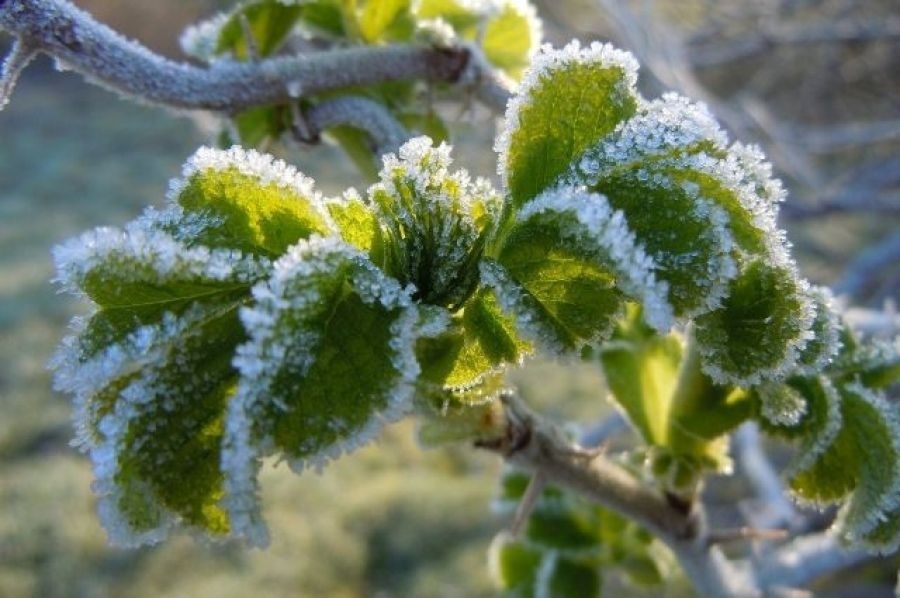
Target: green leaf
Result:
[[515, 566], [377, 16], [510, 38], [159, 461], [248, 201], [863, 462], [819, 425], [574, 577], [270, 22], [568, 100], [567, 263], [325, 16], [147, 288], [330, 361], [561, 304], [826, 331], [641, 369], [565, 542], [462, 16], [684, 233], [758, 332], [525, 571], [357, 224], [479, 341]]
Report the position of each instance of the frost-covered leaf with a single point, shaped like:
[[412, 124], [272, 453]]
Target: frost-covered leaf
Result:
[[826, 332], [667, 128], [563, 295], [245, 200], [330, 360], [158, 461], [479, 341], [143, 284], [760, 329], [568, 100], [685, 233], [863, 463], [566, 267], [357, 224], [819, 423], [874, 362], [781, 404], [432, 222], [270, 22]]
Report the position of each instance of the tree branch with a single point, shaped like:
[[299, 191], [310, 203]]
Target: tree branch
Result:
[[776, 509], [361, 113], [537, 446], [21, 54], [800, 562], [70, 35]]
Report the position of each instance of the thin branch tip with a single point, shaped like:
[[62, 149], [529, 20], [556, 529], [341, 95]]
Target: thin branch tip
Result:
[[20, 55]]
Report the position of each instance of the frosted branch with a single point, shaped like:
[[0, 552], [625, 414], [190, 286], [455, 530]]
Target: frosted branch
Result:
[[73, 37], [800, 562], [16, 61], [361, 113], [539, 447], [777, 510]]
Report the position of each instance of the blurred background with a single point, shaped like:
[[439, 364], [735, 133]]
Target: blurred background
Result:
[[815, 82]]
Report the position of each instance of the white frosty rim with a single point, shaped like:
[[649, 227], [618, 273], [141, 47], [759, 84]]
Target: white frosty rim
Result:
[[267, 169], [546, 60]]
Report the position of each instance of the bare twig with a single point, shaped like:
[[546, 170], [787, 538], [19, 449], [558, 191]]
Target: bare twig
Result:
[[529, 500], [21, 54], [70, 35]]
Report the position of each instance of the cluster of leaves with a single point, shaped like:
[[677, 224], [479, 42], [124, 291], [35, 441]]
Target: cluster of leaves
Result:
[[567, 542], [503, 33], [253, 317]]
